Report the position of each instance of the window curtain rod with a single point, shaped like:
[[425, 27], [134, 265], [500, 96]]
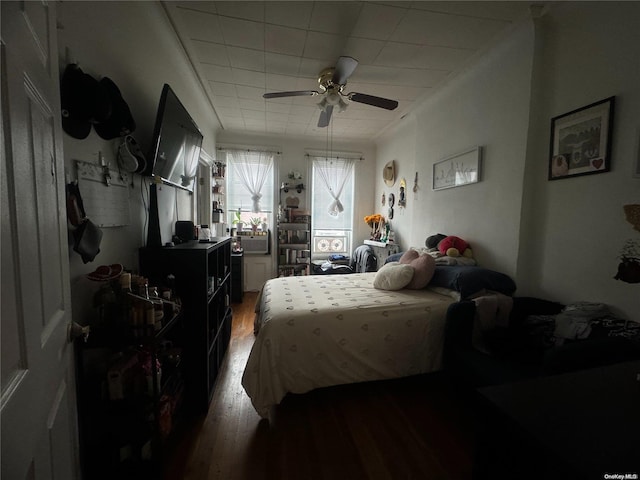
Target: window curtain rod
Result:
[[334, 157], [227, 149]]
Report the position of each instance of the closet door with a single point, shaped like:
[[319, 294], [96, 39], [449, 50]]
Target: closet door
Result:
[[37, 402]]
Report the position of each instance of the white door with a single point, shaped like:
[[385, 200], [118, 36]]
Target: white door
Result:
[[37, 397]]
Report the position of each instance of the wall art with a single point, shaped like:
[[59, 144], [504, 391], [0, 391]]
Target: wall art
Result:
[[581, 141], [460, 169]]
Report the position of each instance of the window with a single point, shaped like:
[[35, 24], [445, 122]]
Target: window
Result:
[[332, 184], [250, 185]]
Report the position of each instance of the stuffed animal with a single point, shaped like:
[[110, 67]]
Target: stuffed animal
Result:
[[453, 246]]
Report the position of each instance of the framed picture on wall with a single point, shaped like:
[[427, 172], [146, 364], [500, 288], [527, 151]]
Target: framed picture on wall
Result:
[[581, 141], [460, 169]]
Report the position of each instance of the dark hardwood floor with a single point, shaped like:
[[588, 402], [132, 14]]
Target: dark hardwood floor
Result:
[[409, 429]]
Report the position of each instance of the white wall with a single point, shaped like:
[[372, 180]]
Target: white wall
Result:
[[576, 226], [561, 239], [400, 146], [131, 43], [488, 106]]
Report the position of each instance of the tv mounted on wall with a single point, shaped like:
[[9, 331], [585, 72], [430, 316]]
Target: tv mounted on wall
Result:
[[176, 143]]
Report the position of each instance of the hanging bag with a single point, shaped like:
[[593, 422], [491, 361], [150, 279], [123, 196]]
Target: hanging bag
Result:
[[86, 235]]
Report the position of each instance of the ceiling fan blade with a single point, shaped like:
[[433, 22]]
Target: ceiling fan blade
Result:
[[297, 93], [343, 70], [374, 101], [325, 116]]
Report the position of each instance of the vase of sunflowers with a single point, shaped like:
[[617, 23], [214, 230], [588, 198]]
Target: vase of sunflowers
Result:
[[377, 224]]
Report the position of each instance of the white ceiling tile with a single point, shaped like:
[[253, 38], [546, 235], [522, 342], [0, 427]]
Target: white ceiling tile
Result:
[[295, 128], [363, 49], [397, 76], [255, 123], [251, 104], [393, 92], [285, 40], [252, 93], [310, 68], [324, 46], [242, 33], [377, 21], [253, 116], [247, 77], [219, 101], [277, 117], [335, 17], [223, 89], [303, 110], [276, 127], [278, 107], [509, 11], [282, 64], [213, 53], [209, 7], [229, 112], [216, 73], [291, 14], [281, 83], [199, 25], [246, 58], [437, 29], [419, 56], [233, 122], [403, 55], [247, 10]]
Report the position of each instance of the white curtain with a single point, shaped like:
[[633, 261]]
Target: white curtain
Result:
[[253, 169], [334, 173]]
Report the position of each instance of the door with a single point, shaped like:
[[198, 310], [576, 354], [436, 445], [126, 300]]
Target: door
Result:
[[37, 396]]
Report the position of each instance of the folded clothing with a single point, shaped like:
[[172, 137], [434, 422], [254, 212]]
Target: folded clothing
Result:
[[574, 322]]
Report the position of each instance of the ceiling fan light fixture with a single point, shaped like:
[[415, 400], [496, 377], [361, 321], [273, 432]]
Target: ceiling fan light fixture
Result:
[[322, 105], [333, 97], [342, 106]]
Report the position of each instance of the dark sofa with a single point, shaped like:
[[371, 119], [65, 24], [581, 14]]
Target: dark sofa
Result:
[[514, 356]]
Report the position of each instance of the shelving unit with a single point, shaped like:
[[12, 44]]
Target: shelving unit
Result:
[[218, 190], [294, 243], [203, 281], [130, 391]]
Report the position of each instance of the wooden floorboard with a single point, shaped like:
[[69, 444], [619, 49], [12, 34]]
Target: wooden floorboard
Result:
[[407, 429]]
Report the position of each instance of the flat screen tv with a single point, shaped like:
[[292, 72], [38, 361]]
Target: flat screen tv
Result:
[[176, 143]]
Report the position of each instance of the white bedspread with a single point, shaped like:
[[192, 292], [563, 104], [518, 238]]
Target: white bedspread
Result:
[[317, 331]]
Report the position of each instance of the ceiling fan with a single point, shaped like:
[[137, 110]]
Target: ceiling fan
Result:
[[331, 82]]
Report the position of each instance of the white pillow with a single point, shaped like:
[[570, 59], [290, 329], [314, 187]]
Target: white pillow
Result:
[[393, 276]]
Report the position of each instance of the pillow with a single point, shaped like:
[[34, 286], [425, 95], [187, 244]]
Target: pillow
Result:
[[469, 280], [395, 257], [393, 276], [423, 264]]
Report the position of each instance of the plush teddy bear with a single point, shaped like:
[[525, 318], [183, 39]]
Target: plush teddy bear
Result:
[[453, 246]]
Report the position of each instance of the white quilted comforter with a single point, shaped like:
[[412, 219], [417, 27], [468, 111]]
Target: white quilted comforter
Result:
[[317, 331]]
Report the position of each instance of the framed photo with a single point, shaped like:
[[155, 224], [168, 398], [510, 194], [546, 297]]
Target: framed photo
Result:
[[460, 169], [581, 141]]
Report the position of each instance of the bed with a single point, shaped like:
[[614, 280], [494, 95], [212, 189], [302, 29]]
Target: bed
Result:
[[318, 331]]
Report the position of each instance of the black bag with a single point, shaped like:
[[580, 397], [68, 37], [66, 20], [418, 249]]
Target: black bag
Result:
[[86, 234]]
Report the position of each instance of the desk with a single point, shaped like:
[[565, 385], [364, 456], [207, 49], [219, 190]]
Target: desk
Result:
[[586, 422], [382, 250]]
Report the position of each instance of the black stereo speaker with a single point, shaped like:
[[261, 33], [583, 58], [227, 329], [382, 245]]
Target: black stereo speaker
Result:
[[185, 231]]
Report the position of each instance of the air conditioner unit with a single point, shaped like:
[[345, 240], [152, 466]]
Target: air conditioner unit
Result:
[[255, 244]]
